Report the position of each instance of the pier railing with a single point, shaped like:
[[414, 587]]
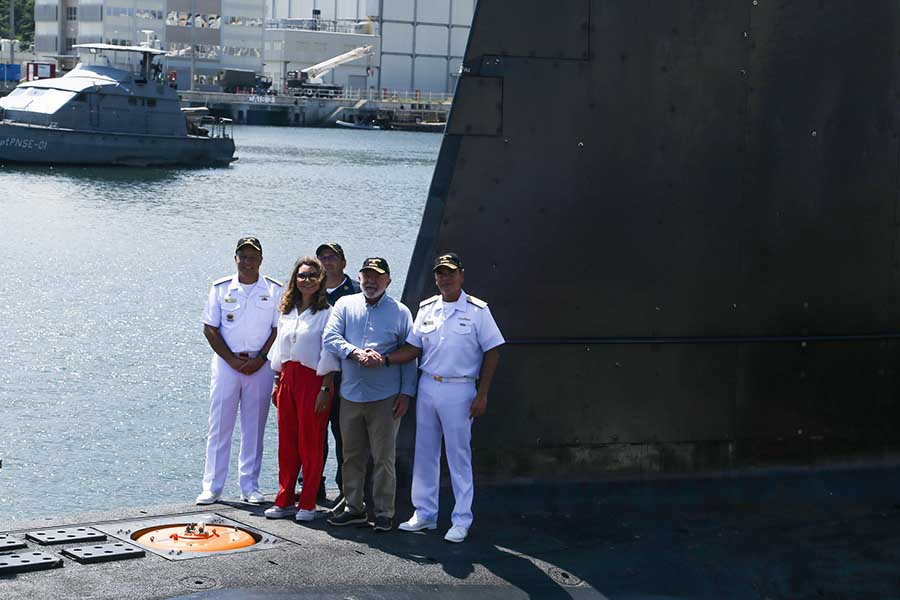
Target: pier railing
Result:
[[383, 95], [328, 25], [392, 107], [399, 97]]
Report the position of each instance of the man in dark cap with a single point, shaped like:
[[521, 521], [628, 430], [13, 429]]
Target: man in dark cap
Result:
[[338, 284], [239, 322], [361, 328]]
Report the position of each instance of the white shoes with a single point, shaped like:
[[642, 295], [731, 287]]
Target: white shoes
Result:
[[417, 524], [456, 534], [305, 515], [277, 512], [207, 497], [254, 497]]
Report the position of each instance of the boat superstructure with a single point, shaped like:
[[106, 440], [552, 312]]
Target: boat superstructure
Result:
[[114, 108]]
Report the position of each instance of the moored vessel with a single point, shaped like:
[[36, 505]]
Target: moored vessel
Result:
[[107, 112]]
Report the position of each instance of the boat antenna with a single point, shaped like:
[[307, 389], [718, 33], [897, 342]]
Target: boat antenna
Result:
[[148, 43]]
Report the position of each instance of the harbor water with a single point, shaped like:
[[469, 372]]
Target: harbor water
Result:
[[104, 371]]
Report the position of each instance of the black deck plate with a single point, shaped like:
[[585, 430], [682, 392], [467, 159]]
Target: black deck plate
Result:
[[21, 562], [103, 553], [8, 543], [71, 535]]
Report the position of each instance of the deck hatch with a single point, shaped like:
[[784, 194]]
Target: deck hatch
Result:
[[190, 545]]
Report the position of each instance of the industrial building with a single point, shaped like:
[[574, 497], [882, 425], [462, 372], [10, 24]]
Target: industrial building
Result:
[[422, 41], [419, 43]]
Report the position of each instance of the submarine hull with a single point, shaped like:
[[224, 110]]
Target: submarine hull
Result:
[[684, 218]]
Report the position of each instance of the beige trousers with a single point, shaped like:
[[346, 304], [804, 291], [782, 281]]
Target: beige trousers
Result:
[[370, 427]]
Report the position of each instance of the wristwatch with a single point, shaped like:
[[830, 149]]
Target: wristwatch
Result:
[[325, 388]]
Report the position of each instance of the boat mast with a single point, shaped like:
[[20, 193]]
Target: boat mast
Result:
[[12, 32], [193, 47]]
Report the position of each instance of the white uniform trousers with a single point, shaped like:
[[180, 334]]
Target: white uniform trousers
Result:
[[228, 390], [442, 409]]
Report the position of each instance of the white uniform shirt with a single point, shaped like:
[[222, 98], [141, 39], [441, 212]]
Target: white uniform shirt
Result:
[[245, 320], [300, 340], [454, 336]]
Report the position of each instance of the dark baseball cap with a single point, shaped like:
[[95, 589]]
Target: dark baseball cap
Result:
[[334, 247], [376, 263], [248, 241], [449, 260]]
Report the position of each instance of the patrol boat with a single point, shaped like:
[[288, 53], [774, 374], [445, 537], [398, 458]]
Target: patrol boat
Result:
[[109, 113]]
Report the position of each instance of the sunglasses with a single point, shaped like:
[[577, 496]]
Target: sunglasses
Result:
[[306, 276]]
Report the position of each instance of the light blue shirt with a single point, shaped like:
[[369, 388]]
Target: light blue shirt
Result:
[[355, 324]]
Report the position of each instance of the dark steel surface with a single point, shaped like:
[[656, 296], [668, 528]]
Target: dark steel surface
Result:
[[103, 553], [23, 562], [684, 218], [789, 533], [397, 592], [9, 543], [68, 535]]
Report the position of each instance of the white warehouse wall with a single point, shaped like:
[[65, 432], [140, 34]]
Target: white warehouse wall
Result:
[[302, 9], [422, 41]]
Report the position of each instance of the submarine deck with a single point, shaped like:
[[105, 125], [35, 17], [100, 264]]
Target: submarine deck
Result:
[[804, 533]]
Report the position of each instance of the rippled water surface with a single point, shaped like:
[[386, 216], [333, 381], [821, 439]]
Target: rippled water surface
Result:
[[104, 369]]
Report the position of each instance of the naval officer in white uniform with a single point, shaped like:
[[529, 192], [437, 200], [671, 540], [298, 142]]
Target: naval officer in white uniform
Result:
[[239, 322], [459, 344]]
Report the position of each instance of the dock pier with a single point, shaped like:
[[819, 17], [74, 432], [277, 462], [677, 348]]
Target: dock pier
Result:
[[384, 109], [301, 111]]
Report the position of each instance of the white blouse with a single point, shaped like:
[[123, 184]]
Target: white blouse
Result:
[[299, 339]]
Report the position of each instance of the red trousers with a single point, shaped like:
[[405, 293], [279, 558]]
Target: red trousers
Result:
[[301, 435]]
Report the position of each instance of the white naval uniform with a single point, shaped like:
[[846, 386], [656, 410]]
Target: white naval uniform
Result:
[[453, 337], [245, 316]]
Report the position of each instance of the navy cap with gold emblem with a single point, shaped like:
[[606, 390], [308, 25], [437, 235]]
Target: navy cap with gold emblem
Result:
[[377, 264], [334, 247], [449, 260], [248, 241]]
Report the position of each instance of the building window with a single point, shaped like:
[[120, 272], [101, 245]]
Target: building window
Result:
[[182, 18], [69, 43], [71, 13]]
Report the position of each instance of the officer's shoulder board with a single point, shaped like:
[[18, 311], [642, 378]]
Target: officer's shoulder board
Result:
[[429, 300], [275, 281], [225, 279], [476, 301]]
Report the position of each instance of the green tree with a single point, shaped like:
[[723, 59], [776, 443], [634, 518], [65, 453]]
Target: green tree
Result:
[[24, 19]]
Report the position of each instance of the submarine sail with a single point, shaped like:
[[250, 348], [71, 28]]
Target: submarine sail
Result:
[[684, 217]]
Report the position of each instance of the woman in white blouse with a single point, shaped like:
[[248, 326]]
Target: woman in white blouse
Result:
[[302, 390]]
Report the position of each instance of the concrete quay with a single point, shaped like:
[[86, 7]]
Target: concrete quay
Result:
[[299, 111], [788, 534]]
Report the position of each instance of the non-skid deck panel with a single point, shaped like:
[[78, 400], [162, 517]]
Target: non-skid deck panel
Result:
[[103, 553], [22, 562], [71, 535], [10, 543]]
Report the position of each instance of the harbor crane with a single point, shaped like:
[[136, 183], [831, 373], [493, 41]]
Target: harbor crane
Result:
[[308, 81]]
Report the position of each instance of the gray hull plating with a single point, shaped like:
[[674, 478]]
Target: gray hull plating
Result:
[[44, 145]]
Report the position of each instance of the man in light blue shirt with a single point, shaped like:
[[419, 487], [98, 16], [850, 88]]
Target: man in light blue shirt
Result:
[[374, 394]]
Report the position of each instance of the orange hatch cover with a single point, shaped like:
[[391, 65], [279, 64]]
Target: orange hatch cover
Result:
[[194, 537]]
